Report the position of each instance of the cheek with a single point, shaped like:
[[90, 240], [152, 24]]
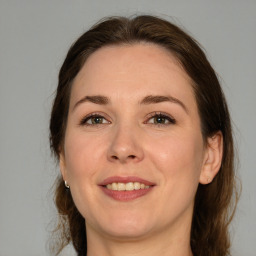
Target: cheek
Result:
[[178, 157], [82, 155], [178, 161]]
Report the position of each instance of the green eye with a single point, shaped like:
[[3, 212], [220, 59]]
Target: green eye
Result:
[[160, 120], [97, 120], [93, 120]]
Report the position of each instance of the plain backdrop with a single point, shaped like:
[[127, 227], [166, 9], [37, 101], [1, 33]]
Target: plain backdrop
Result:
[[34, 38]]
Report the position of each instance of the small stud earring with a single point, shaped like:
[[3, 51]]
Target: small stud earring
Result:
[[66, 184], [208, 179]]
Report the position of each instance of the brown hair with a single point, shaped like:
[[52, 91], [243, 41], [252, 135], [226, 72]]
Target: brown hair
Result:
[[213, 208]]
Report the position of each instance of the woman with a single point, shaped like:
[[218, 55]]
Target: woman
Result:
[[142, 133]]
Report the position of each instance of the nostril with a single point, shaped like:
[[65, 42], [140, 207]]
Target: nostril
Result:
[[129, 157]]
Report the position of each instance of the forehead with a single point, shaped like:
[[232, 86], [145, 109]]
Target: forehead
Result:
[[132, 70]]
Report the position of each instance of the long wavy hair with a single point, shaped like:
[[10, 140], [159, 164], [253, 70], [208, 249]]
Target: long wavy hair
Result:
[[214, 203]]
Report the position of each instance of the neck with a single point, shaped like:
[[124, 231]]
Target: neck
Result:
[[163, 243]]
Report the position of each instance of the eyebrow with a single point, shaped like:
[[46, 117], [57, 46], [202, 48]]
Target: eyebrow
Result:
[[150, 99], [97, 99]]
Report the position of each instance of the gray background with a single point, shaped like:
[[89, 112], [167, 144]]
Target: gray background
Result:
[[34, 38]]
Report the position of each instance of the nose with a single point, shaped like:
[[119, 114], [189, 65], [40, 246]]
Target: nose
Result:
[[125, 146]]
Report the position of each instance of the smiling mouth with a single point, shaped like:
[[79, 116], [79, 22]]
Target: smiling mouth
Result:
[[129, 186], [126, 188]]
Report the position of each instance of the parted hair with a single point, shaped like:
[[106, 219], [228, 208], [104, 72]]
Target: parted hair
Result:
[[214, 203]]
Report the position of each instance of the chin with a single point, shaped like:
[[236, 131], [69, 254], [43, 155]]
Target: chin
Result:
[[124, 227], [127, 232]]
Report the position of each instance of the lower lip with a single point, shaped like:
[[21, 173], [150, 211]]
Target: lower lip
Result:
[[126, 195]]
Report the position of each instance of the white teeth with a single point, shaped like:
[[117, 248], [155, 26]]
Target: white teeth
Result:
[[126, 186], [129, 186], [120, 186], [136, 185], [113, 186]]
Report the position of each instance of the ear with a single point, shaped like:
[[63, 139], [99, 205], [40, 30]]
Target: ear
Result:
[[212, 158], [62, 165]]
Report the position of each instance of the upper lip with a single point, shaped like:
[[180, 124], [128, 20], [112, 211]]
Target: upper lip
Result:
[[120, 179]]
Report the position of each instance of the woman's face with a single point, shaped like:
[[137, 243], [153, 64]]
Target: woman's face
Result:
[[133, 152]]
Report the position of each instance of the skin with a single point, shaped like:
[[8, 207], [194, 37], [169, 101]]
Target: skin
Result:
[[129, 142]]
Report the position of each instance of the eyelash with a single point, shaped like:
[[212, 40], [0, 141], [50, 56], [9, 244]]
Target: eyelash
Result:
[[171, 120], [90, 117]]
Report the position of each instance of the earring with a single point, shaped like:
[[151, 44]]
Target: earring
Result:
[[208, 179], [66, 184]]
